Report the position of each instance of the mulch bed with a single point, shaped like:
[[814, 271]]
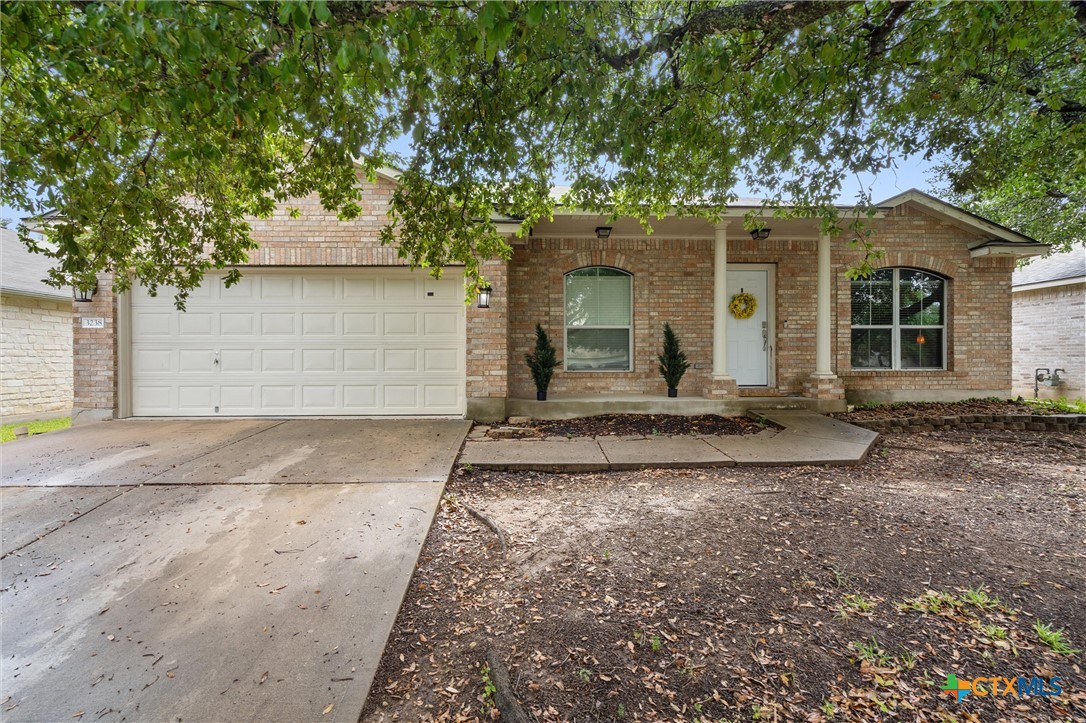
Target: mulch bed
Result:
[[772, 594], [646, 425], [939, 409]]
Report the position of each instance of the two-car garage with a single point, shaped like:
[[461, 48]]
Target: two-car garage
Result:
[[297, 342]]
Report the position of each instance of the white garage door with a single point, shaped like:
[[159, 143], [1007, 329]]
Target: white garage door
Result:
[[302, 342]]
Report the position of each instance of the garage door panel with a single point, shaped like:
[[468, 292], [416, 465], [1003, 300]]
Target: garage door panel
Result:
[[400, 290], [401, 360], [281, 398], [155, 399], [146, 325], [400, 323], [152, 361], [276, 287], [279, 360], [237, 361], [244, 290], [360, 398], [319, 360], [360, 360], [196, 360], [196, 398], [360, 324], [401, 396], [281, 324], [319, 324], [194, 323], [360, 289], [441, 360], [298, 342], [441, 323], [441, 396], [232, 324], [443, 290], [318, 288], [237, 399]]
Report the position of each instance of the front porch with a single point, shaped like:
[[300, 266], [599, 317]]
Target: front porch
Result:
[[572, 406]]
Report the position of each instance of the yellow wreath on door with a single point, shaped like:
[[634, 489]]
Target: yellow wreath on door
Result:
[[743, 305]]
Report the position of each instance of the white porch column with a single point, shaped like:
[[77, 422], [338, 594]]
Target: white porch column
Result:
[[823, 360], [720, 304]]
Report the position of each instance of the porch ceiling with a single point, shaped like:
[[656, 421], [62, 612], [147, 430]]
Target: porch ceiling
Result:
[[568, 225]]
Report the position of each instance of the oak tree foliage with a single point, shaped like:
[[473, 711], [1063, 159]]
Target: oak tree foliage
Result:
[[154, 129]]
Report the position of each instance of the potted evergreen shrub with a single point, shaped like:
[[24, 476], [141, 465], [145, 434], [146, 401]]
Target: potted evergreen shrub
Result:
[[542, 362], [673, 363]]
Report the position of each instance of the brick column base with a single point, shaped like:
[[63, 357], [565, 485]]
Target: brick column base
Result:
[[830, 387], [721, 389]]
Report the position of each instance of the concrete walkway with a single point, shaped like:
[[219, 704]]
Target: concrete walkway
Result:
[[210, 570], [807, 439]]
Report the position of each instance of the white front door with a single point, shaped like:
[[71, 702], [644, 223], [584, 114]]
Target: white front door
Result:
[[750, 341]]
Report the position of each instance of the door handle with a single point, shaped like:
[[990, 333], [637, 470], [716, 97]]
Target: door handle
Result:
[[765, 335]]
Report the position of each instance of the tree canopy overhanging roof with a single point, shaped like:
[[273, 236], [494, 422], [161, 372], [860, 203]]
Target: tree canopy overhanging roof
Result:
[[156, 129]]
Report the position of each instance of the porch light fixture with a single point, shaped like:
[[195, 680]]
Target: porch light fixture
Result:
[[603, 232], [85, 294], [484, 296], [760, 234]]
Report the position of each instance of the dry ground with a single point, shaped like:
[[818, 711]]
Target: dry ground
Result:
[[767, 594]]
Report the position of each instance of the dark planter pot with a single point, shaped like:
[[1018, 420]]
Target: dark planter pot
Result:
[[541, 396], [672, 392]]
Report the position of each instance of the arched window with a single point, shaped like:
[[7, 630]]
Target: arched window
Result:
[[899, 320], [599, 320]]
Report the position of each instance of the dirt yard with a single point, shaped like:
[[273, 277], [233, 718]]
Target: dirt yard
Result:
[[772, 594]]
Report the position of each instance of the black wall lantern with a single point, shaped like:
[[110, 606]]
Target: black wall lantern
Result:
[[484, 296], [760, 234], [603, 232], [85, 294]]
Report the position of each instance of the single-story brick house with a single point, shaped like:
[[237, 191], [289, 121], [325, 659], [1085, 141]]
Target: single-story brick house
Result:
[[1049, 312], [326, 321], [35, 337]]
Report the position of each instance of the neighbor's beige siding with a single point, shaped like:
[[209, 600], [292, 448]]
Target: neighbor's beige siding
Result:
[[1050, 332], [36, 342]]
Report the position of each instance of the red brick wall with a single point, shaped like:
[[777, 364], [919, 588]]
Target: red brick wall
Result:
[[317, 238], [978, 355], [94, 351], [672, 282], [488, 337]]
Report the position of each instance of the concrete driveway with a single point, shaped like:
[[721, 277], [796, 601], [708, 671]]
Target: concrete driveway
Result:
[[210, 570]]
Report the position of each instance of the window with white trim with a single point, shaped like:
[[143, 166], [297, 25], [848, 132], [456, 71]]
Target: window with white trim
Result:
[[599, 320], [899, 320]]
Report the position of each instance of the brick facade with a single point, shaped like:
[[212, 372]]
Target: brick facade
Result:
[[978, 315], [36, 338], [94, 355], [672, 282], [1050, 332]]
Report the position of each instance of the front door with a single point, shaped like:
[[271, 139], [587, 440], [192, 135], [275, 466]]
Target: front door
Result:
[[750, 340]]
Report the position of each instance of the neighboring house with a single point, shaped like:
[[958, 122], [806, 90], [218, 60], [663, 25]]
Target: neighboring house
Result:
[[326, 321], [1050, 325], [36, 336]]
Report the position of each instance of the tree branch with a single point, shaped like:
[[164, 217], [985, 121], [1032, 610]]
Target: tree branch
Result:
[[774, 18]]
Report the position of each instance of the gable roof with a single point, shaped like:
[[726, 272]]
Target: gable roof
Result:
[[21, 271], [1066, 267], [1002, 240]]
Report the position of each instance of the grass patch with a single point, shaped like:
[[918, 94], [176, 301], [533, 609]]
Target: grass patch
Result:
[[1057, 406], [1053, 639], [7, 432]]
